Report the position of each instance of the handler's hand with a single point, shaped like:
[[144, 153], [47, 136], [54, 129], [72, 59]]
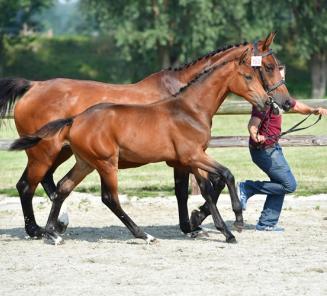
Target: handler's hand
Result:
[[260, 139], [320, 111]]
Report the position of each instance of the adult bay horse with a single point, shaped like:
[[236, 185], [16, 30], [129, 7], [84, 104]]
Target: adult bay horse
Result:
[[176, 130], [45, 101]]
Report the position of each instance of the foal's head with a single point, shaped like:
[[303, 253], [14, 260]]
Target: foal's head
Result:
[[245, 83]]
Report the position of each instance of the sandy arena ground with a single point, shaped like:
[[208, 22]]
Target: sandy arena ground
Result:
[[100, 257]]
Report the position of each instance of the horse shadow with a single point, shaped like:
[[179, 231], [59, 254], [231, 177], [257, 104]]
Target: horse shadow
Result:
[[121, 233]]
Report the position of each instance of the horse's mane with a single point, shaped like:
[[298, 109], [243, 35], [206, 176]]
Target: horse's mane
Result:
[[203, 75], [210, 54]]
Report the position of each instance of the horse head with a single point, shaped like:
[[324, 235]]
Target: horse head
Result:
[[270, 72], [245, 83]]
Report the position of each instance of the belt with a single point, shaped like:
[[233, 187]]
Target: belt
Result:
[[263, 147]]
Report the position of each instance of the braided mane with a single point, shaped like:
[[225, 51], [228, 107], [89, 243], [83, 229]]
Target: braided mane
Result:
[[210, 54], [205, 73]]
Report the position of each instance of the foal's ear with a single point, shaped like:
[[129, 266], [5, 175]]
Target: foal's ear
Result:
[[269, 40], [243, 57]]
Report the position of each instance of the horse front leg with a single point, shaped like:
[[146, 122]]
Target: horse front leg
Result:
[[207, 192], [198, 216], [181, 178], [109, 195]]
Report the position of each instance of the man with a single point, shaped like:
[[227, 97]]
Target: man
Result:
[[267, 154]]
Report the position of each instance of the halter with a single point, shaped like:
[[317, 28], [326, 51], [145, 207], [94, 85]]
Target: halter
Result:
[[267, 88]]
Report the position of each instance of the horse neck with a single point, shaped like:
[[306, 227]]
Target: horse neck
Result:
[[189, 72], [173, 80], [205, 97]]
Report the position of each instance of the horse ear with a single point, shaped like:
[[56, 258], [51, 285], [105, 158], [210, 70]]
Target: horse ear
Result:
[[244, 56], [269, 40]]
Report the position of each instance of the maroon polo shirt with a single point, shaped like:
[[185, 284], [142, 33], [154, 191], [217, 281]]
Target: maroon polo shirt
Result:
[[271, 126]]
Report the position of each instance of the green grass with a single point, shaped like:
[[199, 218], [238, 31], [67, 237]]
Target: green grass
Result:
[[309, 164]]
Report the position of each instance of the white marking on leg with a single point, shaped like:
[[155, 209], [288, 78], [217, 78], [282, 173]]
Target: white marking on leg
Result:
[[63, 218], [150, 238]]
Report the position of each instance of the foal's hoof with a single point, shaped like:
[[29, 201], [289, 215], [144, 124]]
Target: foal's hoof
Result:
[[53, 238], [62, 223], [231, 240], [238, 226], [34, 231], [150, 239], [197, 233]]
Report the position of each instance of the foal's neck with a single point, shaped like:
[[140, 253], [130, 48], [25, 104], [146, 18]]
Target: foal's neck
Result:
[[205, 96]]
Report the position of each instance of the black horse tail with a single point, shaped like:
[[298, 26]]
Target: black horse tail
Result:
[[10, 90], [46, 131]]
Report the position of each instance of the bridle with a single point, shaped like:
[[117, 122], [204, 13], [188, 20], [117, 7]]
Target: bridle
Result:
[[265, 84], [271, 101]]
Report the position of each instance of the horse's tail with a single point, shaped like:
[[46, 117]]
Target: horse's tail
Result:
[[10, 90], [46, 131]]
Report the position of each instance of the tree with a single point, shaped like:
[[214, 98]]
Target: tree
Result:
[[176, 30], [303, 25], [13, 15]]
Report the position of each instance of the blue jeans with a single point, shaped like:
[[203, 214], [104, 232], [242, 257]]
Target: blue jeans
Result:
[[282, 181]]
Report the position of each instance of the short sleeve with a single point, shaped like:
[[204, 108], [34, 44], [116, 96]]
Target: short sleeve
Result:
[[256, 113]]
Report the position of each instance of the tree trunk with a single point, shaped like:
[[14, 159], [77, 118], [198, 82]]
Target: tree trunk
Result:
[[318, 75], [164, 57], [1, 56]]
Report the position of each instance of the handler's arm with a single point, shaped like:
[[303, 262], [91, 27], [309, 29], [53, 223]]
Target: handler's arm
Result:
[[305, 109], [253, 130]]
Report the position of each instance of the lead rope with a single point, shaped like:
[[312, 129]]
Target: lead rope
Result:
[[290, 130]]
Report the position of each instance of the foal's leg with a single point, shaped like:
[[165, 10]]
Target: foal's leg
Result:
[[109, 194], [48, 182], [198, 216], [206, 163], [65, 186], [207, 192]]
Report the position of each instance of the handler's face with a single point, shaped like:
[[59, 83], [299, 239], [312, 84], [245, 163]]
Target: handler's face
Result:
[[282, 71]]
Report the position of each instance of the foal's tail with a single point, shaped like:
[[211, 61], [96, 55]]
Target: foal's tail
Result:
[[10, 90], [46, 131]]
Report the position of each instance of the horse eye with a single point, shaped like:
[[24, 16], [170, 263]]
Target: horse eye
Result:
[[248, 77], [270, 67]]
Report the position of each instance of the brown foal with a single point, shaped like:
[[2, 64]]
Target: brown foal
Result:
[[44, 101], [175, 130]]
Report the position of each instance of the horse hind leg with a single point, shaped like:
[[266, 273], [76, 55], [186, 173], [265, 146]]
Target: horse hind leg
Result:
[[48, 183], [55, 226], [26, 187]]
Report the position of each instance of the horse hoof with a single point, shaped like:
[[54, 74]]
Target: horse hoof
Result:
[[34, 231], [195, 219], [53, 238], [238, 226], [197, 233], [62, 223], [231, 240], [185, 227], [150, 239]]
